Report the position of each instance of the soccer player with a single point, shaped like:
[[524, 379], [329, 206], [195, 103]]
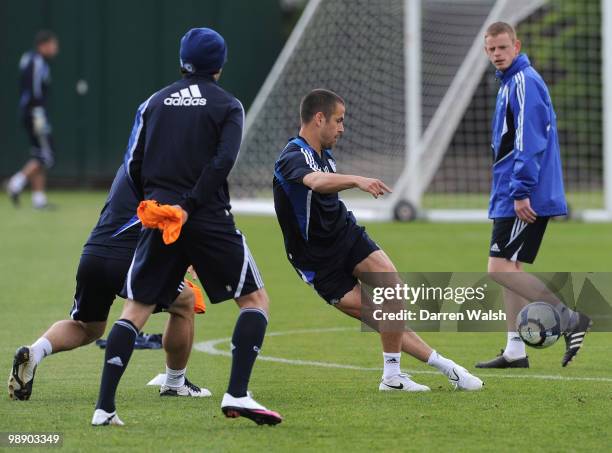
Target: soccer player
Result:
[[327, 247], [527, 190], [100, 276], [35, 82], [184, 143]]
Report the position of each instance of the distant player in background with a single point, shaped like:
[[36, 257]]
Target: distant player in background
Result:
[[527, 190], [184, 143], [330, 251], [34, 86], [104, 264]]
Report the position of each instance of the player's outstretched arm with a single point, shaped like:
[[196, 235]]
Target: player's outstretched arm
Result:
[[333, 182]]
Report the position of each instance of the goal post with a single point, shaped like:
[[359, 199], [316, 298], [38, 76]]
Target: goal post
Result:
[[606, 77]]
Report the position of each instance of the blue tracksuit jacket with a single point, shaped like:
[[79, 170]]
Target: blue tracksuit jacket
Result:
[[526, 157]]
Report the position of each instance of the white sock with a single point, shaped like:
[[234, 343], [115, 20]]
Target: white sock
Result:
[[441, 363], [391, 364], [17, 182], [39, 198], [515, 348], [175, 378], [41, 349]]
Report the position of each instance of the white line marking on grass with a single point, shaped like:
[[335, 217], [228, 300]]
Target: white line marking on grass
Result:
[[210, 347]]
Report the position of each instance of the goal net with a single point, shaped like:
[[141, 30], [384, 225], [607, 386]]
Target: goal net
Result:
[[420, 95]]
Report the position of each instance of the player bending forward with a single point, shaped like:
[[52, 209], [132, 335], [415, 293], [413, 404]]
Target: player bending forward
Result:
[[329, 250], [100, 276]]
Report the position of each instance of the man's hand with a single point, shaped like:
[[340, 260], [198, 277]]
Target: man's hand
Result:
[[523, 210], [374, 186], [185, 215]]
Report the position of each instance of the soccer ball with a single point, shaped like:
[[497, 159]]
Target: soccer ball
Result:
[[539, 325]]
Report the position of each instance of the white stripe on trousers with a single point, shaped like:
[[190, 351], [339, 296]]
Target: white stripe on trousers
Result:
[[245, 263], [255, 272], [518, 227]]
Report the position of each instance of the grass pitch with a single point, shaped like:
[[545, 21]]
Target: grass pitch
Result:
[[325, 408]]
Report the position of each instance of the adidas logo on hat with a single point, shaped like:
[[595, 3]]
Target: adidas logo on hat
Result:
[[186, 97]]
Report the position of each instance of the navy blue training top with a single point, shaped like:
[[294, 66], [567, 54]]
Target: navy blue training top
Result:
[[116, 233], [316, 226], [184, 143], [34, 82]]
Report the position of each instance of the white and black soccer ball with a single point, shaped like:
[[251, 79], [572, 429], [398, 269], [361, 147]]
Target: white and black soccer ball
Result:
[[539, 325]]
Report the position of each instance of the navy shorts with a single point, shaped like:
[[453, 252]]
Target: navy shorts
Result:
[[218, 252], [333, 282], [516, 240], [99, 280], [41, 144]]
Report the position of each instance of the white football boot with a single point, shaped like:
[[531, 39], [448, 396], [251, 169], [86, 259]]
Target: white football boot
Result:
[[103, 418], [462, 379], [187, 389], [247, 407], [401, 382], [21, 379]]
